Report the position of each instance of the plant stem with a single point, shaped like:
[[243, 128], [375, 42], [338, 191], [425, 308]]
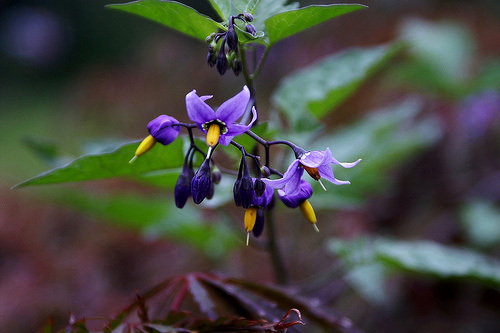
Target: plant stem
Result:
[[261, 63], [278, 265]]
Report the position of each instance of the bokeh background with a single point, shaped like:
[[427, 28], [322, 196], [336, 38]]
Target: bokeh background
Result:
[[75, 76]]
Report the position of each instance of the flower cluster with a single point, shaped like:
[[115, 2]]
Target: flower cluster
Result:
[[254, 194], [223, 48]]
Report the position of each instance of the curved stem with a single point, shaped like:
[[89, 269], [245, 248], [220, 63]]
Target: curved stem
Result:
[[261, 63]]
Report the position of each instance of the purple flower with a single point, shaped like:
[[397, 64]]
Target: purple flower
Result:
[[225, 116], [294, 201], [317, 164], [161, 129]]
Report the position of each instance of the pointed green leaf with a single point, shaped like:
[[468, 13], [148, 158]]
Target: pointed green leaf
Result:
[[291, 22], [225, 8], [172, 14], [113, 164], [267, 8], [422, 257], [324, 85]]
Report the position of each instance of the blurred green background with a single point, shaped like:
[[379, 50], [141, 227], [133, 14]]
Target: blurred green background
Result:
[[78, 78]]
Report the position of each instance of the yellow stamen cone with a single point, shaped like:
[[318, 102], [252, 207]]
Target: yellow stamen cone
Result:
[[144, 147], [249, 220], [308, 212], [213, 135]]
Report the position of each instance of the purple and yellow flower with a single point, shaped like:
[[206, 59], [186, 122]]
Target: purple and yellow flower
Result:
[[300, 200], [253, 213], [220, 126], [317, 165], [161, 130]]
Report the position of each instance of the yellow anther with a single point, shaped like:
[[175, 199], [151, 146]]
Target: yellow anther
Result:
[[308, 212], [250, 217], [144, 147], [213, 135]]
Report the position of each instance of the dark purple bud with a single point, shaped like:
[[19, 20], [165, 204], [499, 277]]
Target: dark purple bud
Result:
[[201, 183], [232, 39], [294, 201], [236, 192], [250, 29], [237, 67], [221, 62], [259, 223], [246, 191], [211, 192], [162, 130], [211, 59], [265, 199], [248, 17], [259, 187], [183, 186]]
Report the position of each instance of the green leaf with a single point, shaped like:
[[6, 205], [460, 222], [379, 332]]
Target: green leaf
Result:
[[267, 8], [316, 90], [174, 15], [291, 22], [421, 257], [113, 164], [226, 8], [155, 217]]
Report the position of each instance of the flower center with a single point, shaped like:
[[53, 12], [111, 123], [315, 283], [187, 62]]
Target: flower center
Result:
[[313, 172], [222, 125]]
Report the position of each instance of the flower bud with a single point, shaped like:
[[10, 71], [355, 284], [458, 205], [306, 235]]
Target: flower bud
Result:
[[216, 175], [162, 130], [251, 29], [248, 17], [265, 199], [201, 183], [236, 192], [266, 173], [246, 191], [210, 37], [237, 67], [232, 39], [211, 58], [294, 201], [211, 191], [182, 189], [259, 187], [221, 62], [259, 223]]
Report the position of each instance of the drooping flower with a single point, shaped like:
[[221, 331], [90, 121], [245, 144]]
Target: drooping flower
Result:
[[317, 165], [294, 201], [220, 126], [253, 215], [300, 200], [161, 130]]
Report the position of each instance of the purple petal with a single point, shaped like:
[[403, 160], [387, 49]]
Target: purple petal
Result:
[[314, 159], [334, 161], [198, 111], [326, 172], [232, 109], [293, 185], [290, 173], [236, 129]]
